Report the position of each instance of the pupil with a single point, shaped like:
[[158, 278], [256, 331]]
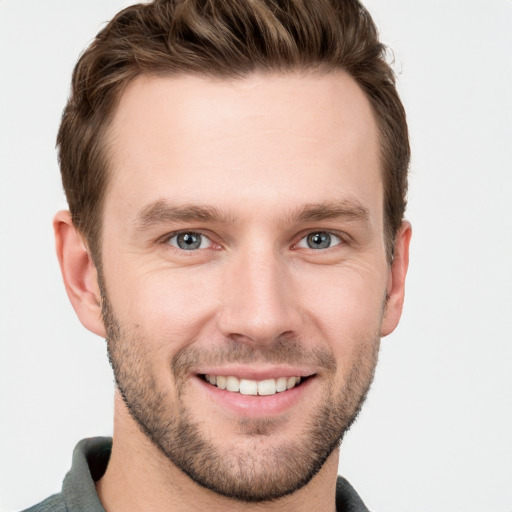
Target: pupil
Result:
[[189, 241], [319, 240]]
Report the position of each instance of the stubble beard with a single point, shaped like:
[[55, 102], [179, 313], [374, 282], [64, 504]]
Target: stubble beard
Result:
[[265, 472]]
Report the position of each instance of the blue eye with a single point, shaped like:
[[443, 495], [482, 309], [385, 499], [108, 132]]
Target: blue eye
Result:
[[319, 240], [189, 241]]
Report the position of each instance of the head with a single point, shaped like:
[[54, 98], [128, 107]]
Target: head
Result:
[[224, 39], [236, 175]]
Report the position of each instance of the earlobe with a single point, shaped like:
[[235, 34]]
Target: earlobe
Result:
[[396, 279], [79, 273]]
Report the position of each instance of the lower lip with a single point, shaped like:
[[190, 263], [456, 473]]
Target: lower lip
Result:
[[257, 405]]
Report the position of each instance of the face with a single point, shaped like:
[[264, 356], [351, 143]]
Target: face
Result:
[[244, 273]]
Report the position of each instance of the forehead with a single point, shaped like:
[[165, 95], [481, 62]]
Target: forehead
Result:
[[267, 139]]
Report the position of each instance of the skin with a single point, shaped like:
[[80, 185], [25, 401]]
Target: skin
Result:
[[259, 151]]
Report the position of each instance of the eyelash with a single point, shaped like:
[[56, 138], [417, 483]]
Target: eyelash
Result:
[[339, 239], [204, 238]]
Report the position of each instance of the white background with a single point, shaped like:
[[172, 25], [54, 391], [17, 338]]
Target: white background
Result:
[[436, 432]]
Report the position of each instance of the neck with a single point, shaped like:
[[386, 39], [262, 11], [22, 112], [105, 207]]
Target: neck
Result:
[[140, 478]]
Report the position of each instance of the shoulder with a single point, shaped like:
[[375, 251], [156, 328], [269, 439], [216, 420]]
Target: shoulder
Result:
[[90, 459], [54, 503]]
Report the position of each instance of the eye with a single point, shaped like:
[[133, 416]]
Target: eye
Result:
[[319, 240], [189, 241]]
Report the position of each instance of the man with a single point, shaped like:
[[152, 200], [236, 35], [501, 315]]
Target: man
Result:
[[236, 176]]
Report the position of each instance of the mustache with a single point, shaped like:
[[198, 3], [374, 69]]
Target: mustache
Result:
[[282, 351]]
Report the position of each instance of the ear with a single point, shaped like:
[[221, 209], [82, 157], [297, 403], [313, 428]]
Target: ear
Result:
[[79, 273], [396, 279]]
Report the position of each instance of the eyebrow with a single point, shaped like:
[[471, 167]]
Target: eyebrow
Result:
[[161, 212], [347, 209]]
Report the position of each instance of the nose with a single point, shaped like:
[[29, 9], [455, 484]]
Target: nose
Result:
[[259, 299]]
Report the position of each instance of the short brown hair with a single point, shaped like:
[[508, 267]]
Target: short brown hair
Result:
[[228, 39]]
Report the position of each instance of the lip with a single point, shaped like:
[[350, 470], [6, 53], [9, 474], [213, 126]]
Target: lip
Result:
[[257, 406]]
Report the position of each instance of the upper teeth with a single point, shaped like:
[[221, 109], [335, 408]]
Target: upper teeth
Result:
[[253, 387]]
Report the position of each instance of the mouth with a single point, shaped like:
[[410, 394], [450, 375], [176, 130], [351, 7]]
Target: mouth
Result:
[[265, 387], [258, 393]]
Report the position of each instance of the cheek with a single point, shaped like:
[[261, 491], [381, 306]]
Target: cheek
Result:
[[345, 295], [168, 305], [346, 307]]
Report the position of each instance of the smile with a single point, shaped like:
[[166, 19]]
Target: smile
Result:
[[264, 387]]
